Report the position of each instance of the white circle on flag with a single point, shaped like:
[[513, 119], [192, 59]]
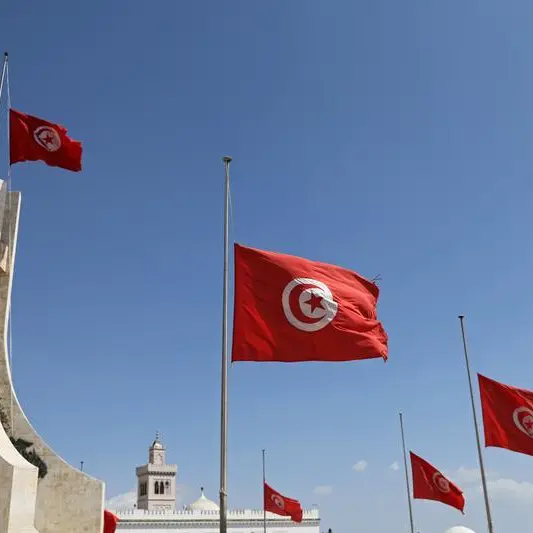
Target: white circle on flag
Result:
[[441, 482], [523, 419], [308, 304], [47, 138], [278, 501]]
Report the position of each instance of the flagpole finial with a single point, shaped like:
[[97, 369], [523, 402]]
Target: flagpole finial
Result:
[[460, 317], [5, 54], [226, 159]]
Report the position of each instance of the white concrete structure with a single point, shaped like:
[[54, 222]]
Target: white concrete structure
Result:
[[459, 529], [48, 495], [18, 478], [152, 513]]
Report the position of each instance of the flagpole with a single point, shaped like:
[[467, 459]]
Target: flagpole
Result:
[[478, 440], [4, 70], [5, 79], [224, 385], [264, 507], [407, 477]]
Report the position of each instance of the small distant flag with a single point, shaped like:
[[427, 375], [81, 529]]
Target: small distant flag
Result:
[[290, 309], [430, 484], [34, 139], [281, 505], [507, 416]]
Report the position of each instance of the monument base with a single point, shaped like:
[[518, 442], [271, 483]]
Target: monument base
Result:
[[18, 489]]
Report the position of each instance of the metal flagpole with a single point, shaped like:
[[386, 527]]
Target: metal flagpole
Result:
[[4, 70], [407, 477], [478, 440], [224, 387], [264, 507], [5, 79]]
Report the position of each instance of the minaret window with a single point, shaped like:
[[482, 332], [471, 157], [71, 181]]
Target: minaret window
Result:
[[161, 488], [142, 489], [156, 487]]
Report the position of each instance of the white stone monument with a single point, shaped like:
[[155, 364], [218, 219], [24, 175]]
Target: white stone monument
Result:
[[39, 491]]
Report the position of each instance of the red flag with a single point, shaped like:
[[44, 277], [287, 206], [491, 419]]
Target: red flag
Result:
[[507, 416], [110, 522], [430, 484], [278, 504], [35, 139], [291, 309]]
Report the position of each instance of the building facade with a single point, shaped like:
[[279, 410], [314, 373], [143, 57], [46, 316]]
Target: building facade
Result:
[[156, 481], [156, 507]]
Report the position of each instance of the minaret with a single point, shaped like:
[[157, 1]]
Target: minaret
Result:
[[156, 481]]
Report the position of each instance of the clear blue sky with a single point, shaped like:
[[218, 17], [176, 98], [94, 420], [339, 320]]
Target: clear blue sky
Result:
[[390, 137]]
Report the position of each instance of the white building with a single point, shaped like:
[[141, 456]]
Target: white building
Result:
[[156, 507]]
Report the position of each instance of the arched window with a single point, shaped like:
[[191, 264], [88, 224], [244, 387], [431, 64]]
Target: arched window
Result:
[[142, 489], [161, 488], [156, 487], [167, 487]]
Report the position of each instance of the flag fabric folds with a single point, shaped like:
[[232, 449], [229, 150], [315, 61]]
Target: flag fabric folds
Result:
[[290, 309], [110, 522], [278, 504], [430, 484], [507, 416], [34, 139]]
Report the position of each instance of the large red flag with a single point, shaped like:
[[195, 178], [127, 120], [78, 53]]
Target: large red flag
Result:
[[278, 504], [291, 309], [34, 139], [110, 522], [430, 484], [507, 416]]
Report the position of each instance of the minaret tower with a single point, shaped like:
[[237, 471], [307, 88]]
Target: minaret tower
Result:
[[156, 481]]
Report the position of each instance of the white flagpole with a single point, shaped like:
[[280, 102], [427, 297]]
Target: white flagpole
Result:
[[407, 477], [4, 70], [5, 79], [224, 387], [264, 507], [478, 440]]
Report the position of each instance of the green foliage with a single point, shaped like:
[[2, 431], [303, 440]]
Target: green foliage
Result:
[[24, 448], [4, 420]]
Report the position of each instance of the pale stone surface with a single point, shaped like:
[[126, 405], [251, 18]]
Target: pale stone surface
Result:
[[68, 501], [18, 489]]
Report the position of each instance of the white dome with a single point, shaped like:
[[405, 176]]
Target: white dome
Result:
[[203, 504], [459, 529]]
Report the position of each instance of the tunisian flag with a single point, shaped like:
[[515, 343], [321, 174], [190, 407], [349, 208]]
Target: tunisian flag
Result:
[[278, 504], [110, 522], [430, 484], [507, 416], [35, 139], [290, 309]]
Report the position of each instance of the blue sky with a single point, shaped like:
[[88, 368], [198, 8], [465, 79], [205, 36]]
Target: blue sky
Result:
[[389, 137]]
